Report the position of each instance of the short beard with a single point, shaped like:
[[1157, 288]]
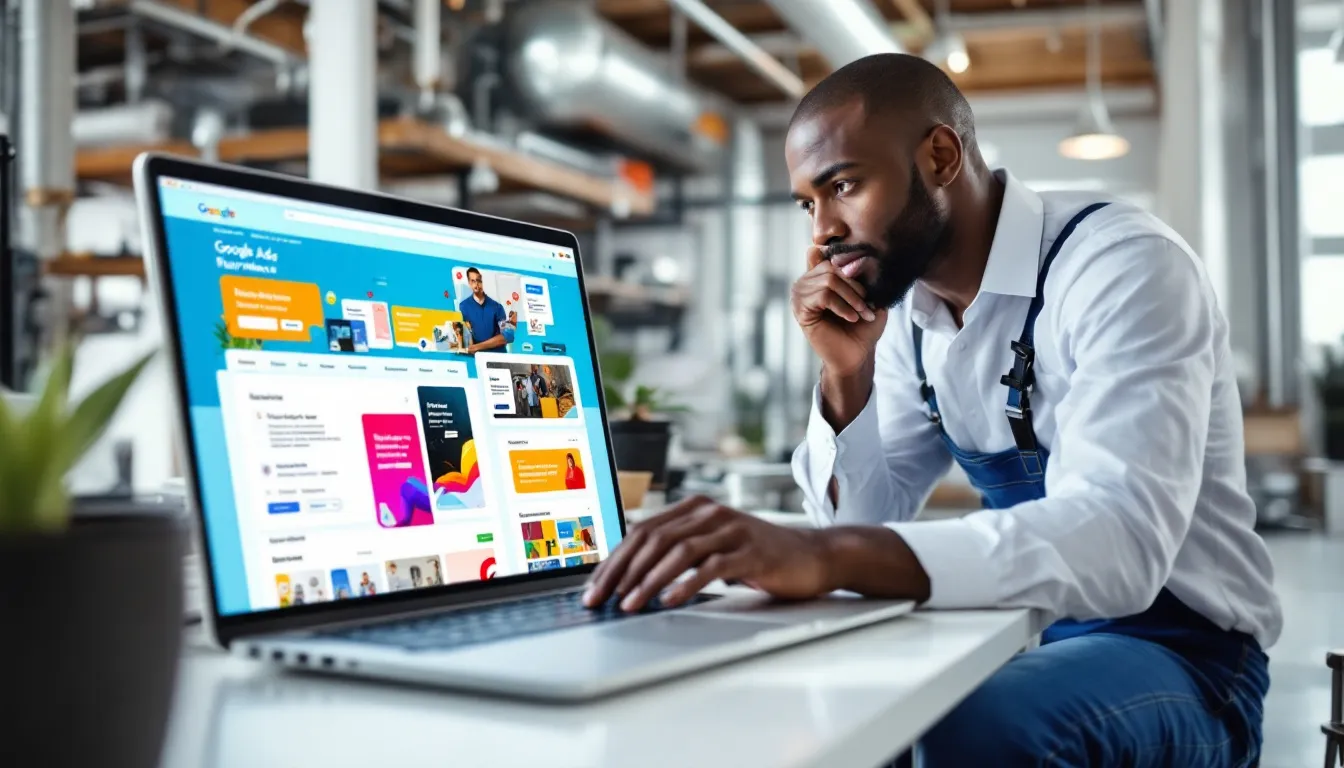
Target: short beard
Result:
[[915, 242]]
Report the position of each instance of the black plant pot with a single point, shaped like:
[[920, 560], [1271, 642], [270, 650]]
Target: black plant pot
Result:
[[90, 632], [641, 446]]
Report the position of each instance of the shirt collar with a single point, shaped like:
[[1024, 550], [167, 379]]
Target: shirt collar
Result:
[[1014, 256]]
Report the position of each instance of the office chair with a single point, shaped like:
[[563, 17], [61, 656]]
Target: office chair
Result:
[[1334, 730]]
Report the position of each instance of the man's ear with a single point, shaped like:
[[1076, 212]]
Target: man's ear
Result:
[[945, 155]]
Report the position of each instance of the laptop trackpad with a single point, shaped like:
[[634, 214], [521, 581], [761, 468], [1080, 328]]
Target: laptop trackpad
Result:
[[685, 630]]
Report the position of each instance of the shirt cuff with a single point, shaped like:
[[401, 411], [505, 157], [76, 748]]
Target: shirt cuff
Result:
[[847, 457], [956, 554]]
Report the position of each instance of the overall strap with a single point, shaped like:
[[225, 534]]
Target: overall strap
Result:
[[1022, 377], [926, 392]]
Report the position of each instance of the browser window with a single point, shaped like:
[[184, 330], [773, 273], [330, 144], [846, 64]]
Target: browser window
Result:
[[381, 404]]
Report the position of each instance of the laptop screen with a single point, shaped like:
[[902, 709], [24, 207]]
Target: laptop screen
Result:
[[381, 404]]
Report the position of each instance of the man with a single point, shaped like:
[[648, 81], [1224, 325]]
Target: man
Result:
[[483, 313], [396, 582], [540, 388], [521, 404], [1109, 457]]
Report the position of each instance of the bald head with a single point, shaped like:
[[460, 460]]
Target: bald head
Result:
[[897, 85], [882, 158]]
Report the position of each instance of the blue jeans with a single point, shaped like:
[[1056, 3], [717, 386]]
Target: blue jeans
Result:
[[1106, 699]]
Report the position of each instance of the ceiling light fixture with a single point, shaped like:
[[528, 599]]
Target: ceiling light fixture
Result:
[[1095, 137], [947, 49]]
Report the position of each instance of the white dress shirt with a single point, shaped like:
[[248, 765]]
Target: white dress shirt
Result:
[[1135, 400]]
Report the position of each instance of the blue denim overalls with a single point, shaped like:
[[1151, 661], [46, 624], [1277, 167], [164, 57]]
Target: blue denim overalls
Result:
[[1017, 475]]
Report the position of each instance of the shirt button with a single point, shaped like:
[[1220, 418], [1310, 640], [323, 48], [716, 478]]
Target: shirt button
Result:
[[961, 345]]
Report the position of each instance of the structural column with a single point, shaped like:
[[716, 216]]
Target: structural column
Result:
[[46, 148], [342, 93]]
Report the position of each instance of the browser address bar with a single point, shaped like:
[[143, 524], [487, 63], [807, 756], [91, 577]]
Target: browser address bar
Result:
[[304, 217]]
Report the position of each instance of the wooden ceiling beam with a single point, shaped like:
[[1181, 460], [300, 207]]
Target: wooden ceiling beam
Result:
[[787, 44], [625, 9], [283, 26]]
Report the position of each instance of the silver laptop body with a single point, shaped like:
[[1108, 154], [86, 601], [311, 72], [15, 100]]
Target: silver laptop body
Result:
[[392, 425]]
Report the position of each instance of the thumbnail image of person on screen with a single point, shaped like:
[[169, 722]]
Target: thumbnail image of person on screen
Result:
[[521, 389], [522, 404], [485, 315], [573, 474], [540, 389]]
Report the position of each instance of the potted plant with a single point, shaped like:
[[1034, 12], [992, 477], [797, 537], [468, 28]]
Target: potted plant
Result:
[[90, 595], [1330, 388], [640, 431]]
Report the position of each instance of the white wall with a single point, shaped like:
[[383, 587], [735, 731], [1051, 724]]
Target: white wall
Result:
[[1030, 150]]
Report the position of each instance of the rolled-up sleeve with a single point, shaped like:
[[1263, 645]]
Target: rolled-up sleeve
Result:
[[1140, 326], [885, 461]]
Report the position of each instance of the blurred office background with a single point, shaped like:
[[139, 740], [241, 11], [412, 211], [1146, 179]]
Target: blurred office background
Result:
[[654, 130]]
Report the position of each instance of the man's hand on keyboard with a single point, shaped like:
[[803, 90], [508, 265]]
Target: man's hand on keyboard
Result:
[[716, 542]]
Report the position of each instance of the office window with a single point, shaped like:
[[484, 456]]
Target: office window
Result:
[[1320, 88], [1322, 311], [1322, 189]]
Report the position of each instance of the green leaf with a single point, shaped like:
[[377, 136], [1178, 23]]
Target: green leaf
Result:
[[617, 367], [91, 417], [646, 395], [55, 385], [8, 437], [614, 397], [51, 502], [37, 434], [651, 399], [39, 447], [603, 332]]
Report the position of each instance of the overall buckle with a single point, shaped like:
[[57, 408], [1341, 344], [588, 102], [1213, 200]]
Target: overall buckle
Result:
[[1020, 380], [926, 394], [1023, 374]]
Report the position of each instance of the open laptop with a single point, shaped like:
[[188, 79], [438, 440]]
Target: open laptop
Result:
[[395, 438]]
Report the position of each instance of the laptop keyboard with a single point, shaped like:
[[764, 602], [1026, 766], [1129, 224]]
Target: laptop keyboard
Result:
[[489, 623]]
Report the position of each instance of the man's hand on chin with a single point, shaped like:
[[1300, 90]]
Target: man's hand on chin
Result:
[[717, 542]]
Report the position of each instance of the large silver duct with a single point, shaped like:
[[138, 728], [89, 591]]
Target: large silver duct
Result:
[[841, 30], [144, 122], [570, 70], [46, 146]]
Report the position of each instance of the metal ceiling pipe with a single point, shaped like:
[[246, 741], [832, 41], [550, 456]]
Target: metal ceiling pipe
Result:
[[144, 122], [755, 57], [47, 148], [841, 30], [203, 27]]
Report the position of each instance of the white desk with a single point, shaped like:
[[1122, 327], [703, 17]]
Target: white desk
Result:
[[853, 700]]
